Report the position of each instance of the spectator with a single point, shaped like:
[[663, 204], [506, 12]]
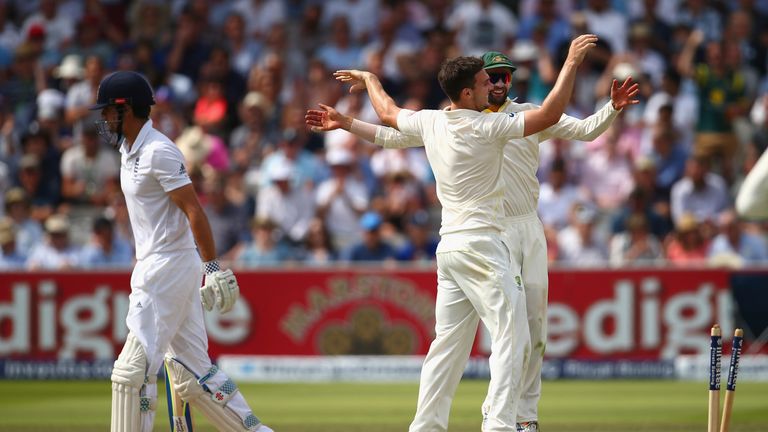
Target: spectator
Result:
[[89, 172], [669, 155], [263, 250], [607, 175], [59, 29], [607, 23], [292, 207], [687, 246], [318, 247], [482, 25], [351, 10], [43, 200], [82, 95], [557, 196], [309, 171], [372, 248], [251, 140], [684, 107], [635, 246], [56, 253], [105, 249], [341, 199], [28, 231], [639, 204], [229, 221], [10, 258], [579, 244], [420, 245], [260, 15], [245, 50], [700, 192], [340, 52], [736, 246]]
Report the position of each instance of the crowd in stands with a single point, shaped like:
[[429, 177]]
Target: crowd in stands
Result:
[[233, 79]]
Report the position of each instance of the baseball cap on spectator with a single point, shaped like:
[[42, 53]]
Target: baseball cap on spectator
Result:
[[36, 31], [29, 161], [339, 156], [15, 195], [57, 224], [524, 50], [281, 171], [686, 223], [49, 104], [496, 59], [256, 99], [624, 70], [71, 67], [370, 221]]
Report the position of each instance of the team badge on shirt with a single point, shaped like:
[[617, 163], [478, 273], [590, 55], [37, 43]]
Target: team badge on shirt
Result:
[[511, 114]]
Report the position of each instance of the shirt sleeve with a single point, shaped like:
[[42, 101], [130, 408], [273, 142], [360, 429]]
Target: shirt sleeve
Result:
[[504, 125], [410, 122], [583, 130], [388, 137], [168, 167]]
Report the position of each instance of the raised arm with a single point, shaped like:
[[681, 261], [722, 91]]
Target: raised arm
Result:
[[557, 100], [328, 119], [384, 105]]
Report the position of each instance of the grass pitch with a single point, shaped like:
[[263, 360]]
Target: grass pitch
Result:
[[569, 406]]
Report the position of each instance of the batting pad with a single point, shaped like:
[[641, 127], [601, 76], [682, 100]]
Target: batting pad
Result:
[[129, 390], [212, 402]]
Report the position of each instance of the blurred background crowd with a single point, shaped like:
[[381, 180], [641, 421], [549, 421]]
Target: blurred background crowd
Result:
[[233, 79]]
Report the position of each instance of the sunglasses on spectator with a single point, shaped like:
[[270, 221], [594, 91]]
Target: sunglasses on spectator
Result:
[[504, 77]]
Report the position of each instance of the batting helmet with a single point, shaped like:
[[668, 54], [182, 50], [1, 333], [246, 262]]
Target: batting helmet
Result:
[[124, 88]]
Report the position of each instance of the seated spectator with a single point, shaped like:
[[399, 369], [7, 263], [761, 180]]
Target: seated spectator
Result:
[[687, 246], [228, 221], [636, 245], [56, 253], [372, 247], [557, 196], [735, 246], [639, 204], [292, 207], [341, 199], [578, 243], [420, 244], [701, 192], [89, 173], [29, 232], [263, 250], [607, 175], [10, 258], [105, 249], [318, 249]]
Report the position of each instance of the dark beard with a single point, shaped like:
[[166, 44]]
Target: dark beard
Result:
[[497, 101]]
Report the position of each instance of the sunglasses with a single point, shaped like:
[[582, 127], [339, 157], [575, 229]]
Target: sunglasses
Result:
[[504, 77]]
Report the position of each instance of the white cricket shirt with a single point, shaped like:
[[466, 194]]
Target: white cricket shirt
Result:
[[465, 151], [521, 161], [153, 167]]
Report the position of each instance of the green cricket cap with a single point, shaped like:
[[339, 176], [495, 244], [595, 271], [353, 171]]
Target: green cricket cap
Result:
[[496, 59]]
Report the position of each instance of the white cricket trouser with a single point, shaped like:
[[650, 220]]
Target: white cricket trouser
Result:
[[474, 282], [525, 237], [165, 313]]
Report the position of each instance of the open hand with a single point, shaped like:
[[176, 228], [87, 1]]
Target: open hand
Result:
[[354, 77], [624, 95], [325, 119]]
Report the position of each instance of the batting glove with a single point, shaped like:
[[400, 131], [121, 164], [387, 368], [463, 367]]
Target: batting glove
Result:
[[220, 288]]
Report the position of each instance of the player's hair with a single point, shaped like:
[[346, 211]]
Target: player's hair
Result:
[[457, 74]]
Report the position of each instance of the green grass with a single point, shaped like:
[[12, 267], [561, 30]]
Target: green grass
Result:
[[570, 406]]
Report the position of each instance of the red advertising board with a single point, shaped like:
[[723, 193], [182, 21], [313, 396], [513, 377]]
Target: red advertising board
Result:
[[637, 314]]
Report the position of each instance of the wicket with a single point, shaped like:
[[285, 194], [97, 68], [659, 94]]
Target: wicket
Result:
[[715, 354]]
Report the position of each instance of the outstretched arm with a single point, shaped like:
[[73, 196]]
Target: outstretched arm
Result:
[[384, 105], [328, 119], [557, 100], [593, 126]]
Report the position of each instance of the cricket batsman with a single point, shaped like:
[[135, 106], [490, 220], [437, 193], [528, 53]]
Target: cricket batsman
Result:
[[174, 248]]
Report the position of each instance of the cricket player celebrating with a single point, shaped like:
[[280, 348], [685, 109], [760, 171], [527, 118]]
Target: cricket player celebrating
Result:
[[522, 229], [165, 317], [478, 268]]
